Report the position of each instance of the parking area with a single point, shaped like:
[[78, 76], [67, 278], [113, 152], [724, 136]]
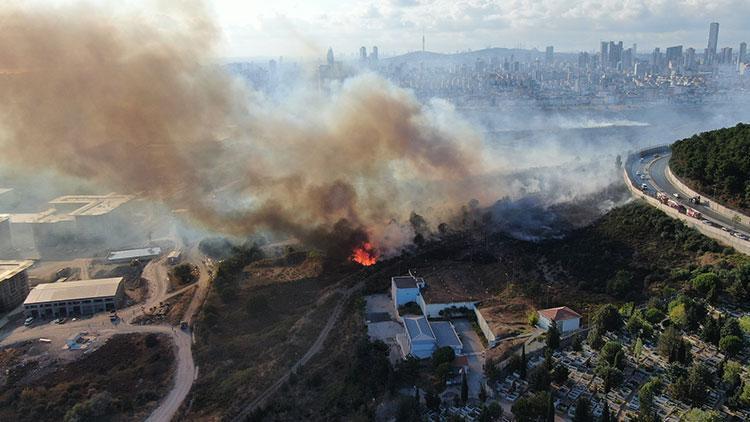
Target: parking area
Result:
[[381, 323], [474, 350]]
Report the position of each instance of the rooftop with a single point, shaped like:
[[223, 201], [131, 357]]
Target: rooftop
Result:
[[134, 253], [91, 205], [406, 282], [561, 313], [72, 290], [10, 268], [445, 333], [418, 328]]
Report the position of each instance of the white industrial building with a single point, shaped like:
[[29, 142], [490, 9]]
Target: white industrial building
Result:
[[405, 289], [14, 283], [566, 319], [421, 336], [82, 297], [127, 255], [420, 339]]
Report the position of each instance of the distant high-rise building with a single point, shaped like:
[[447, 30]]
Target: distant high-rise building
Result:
[[374, 54], [713, 41], [635, 50], [741, 58], [549, 54], [690, 59], [615, 53], [423, 42], [329, 56], [583, 60], [604, 54], [674, 56], [726, 56], [627, 60], [362, 54], [656, 60]]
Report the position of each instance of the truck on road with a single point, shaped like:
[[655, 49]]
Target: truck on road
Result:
[[693, 213]]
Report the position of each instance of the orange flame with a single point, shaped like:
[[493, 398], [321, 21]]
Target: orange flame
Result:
[[365, 255]]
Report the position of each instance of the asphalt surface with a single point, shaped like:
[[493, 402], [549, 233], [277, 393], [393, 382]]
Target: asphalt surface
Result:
[[653, 169]]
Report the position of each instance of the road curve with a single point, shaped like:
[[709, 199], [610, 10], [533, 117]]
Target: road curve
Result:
[[654, 169], [155, 272]]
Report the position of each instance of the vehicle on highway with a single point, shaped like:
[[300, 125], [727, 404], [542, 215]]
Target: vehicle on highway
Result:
[[638, 173], [60, 321], [113, 317], [657, 156], [28, 321], [676, 195], [644, 186], [693, 213]]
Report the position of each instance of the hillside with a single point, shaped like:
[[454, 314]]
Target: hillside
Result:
[[716, 163]]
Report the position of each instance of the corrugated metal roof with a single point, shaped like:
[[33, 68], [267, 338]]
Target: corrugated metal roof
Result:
[[134, 253], [73, 290]]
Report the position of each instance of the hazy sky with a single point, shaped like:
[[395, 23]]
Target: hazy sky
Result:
[[290, 27], [294, 28]]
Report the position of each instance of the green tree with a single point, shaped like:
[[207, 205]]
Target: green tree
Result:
[[646, 395], [432, 400], [606, 415], [533, 318], [577, 343], [443, 355], [711, 332], [731, 345], [638, 348], [672, 346], [539, 379], [621, 285], [609, 352], [553, 336], [560, 374], [522, 369], [731, 327], [703, 283], [532, 408], [491, 412], [583, 411], [594, 338], [607, 318], [731, 375], [464, 389], [550, 409], [698, 415], [699, 380]]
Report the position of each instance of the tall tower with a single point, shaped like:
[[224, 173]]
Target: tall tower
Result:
[[549, 55], [743, 53], [329, 56], [363, 54], [604, 53], [713, 41], [374, 54]]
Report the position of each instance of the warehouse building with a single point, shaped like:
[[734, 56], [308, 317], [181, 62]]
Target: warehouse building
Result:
[[128, 255], [83, 297], [14, 283]]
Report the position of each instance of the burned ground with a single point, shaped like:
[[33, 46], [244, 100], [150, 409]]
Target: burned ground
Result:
[[121, 381]]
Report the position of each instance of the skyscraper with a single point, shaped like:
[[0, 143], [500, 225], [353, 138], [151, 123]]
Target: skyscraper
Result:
[[363, 54], [743, 53], [329, 56], [374, 54], [615, 53], [549, 55], [690, 59], [674, 56], [604, 54], [713, 41]]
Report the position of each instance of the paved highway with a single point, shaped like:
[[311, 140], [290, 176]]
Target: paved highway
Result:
[[652, 169]]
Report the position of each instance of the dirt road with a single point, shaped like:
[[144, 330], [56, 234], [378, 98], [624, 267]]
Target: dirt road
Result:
[[155, 273], [312, 351]]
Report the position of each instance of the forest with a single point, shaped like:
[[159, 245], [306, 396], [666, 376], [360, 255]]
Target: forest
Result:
[[716, 163]]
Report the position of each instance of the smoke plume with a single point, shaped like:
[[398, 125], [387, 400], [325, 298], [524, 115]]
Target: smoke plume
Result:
[[143, 108]]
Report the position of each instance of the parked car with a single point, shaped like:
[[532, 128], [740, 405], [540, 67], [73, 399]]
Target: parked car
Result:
[[28, 321]]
